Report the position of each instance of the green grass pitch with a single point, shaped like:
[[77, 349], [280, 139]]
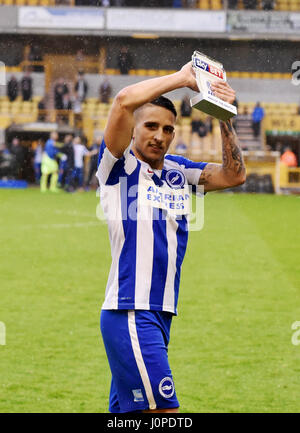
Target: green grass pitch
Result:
[[230, 349]]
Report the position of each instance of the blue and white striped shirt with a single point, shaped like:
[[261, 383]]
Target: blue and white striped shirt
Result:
[[146, 214]]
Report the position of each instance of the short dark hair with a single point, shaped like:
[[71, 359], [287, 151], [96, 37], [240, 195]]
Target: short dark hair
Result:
[[164, 102]]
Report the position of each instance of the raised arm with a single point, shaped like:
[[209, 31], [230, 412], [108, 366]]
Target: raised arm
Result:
[[232, 171], [119, 128]]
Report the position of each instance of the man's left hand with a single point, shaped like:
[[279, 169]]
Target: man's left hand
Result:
[[223, 91]]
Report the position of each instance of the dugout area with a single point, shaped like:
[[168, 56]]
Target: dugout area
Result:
[[29, 134]]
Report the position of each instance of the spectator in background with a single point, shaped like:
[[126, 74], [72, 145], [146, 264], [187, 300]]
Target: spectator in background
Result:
[[124, 61], [79, 55], [80, 151], [236, 104], [208, 124], [66, 169], [288, 158], [199, 127], [181, 147], [105, 91], [177, 4], [246, 111], [18, 151], [12, 88], [77, 108], [185, 107], [60, 90], [232, 4], [7, 163], [49, 164], [267, 5], [81, 87], [67, 103], [250, 4], [67, 106], [35, 55], [94, 161], [26, 87], [257, 116], [38, 153], [191, 4], [42, 106]]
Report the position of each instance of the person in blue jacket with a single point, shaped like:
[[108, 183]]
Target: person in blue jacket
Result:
[[50, 164], [257, 116]]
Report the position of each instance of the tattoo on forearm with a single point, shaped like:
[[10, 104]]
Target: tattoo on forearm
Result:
[[232, 154]]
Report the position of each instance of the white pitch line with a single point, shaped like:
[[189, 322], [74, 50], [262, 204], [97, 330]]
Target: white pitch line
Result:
[[75, 213], [62, 225]]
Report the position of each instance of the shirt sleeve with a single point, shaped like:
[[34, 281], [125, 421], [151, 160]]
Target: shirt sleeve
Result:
[[85, 151], [191, 169], [111, 169]]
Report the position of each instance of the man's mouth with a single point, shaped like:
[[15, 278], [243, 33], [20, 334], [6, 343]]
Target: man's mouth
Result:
[[155, 147]]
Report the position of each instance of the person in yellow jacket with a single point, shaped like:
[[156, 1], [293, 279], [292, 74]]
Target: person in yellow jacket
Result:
[[49, 163]]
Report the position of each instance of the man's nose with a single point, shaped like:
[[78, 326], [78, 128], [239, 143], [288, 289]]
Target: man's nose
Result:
[[159, 136]]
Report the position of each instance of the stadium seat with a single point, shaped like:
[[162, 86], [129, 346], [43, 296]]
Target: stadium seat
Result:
[[92, 100], [26, 107], [141, 72], [15, 109], [5, 107], [152, 72], [235, 74], [101, 124], [203, 4], [5, 121], [36, 99], [267, 75], [185, 121], [215, 4], [111, 71], [255, 75], [245, 75]]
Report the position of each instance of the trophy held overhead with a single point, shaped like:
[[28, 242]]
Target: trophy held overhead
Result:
[[207, 71]]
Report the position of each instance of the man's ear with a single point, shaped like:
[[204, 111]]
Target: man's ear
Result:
[[133, 134]]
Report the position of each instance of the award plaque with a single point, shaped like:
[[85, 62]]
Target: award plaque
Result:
[[207, 71]]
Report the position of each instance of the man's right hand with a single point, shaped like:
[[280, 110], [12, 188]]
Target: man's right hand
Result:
[[189, 75]]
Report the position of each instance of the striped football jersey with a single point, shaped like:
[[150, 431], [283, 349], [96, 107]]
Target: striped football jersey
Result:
[[146, 212]]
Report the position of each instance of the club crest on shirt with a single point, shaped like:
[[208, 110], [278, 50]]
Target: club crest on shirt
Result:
[[175, 178], [166, 387]]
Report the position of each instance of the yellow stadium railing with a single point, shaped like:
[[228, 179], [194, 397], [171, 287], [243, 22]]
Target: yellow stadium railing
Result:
[[289, 177]]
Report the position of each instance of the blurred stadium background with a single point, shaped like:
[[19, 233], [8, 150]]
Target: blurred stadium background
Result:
[[251, 365], [257, 41]]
